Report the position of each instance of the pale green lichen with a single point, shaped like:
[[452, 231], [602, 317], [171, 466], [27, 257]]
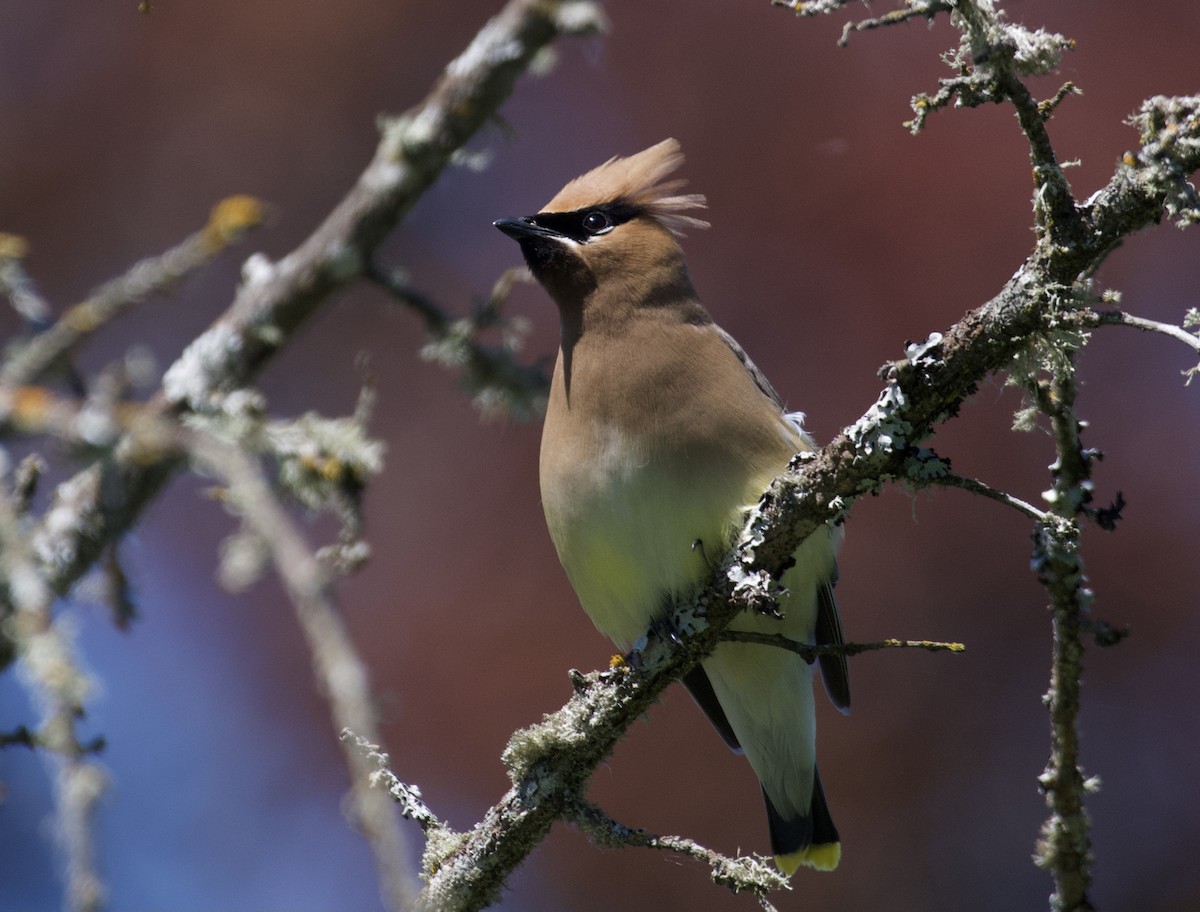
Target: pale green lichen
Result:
[[882, 429], [1170, 134], [924, 465]]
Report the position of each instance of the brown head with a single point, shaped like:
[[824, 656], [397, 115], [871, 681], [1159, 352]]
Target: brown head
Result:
[[605, 244]]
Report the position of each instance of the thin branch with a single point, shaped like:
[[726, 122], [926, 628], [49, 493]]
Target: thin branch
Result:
[[740, 874], [913, 9], [21, 735], [408, 797], [974, 486], [812, 7], [52, 673], [229, 221], [811, 652], [17, 286], [1120, 318], [1065, 846]]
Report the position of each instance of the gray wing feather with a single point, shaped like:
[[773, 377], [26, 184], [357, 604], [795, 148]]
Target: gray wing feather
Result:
[[829, 626], [760, 379], [834, 672]]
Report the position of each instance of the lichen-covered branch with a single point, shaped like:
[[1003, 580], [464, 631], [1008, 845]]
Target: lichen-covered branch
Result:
[[912, 9], [313, 454], [52, 673], [1065, 846], [745, 873], [408, 797]]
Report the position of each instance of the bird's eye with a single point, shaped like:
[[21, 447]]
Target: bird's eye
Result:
[[596, 222]]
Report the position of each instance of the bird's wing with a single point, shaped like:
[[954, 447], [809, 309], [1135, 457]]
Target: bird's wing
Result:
[[829, 633], [760, 379], [701, 689], [829, 626]]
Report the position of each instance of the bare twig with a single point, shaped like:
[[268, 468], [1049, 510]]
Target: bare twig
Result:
[[811, 652], [22, 735], [1120, 318], [951, 480]]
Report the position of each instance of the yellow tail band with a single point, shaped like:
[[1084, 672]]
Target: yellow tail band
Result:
[[822, 857]]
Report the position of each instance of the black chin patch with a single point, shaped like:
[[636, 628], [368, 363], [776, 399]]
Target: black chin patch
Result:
[[541, 253]]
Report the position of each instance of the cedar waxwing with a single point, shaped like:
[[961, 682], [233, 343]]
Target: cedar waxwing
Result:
[[660, 433]]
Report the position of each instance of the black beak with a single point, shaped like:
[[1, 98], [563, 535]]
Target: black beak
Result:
[[524, 227]]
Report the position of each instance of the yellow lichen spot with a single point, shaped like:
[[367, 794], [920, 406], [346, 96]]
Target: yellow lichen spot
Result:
[[617, 661], [231, 218], [82, 318], [30, 404], [13, 247], [332, 468]]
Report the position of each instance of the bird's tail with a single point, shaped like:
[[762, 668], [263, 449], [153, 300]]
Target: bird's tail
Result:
[[811, 840]]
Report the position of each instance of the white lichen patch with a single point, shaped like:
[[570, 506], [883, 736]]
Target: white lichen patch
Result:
[[881, 429], [193, 378]]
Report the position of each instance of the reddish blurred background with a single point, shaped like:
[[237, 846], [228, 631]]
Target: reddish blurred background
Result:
[[836, 237]]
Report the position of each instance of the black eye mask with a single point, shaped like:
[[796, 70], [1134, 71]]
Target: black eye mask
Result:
[[582, 225]]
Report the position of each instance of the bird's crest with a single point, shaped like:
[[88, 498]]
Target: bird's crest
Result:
[[637, 180]]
